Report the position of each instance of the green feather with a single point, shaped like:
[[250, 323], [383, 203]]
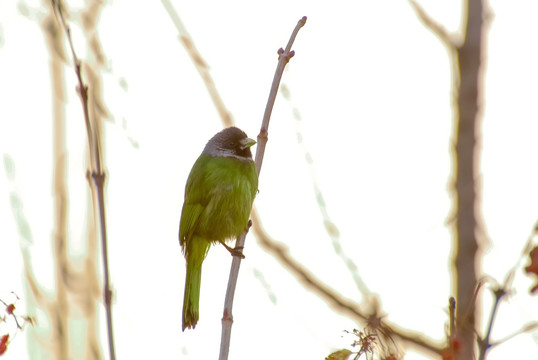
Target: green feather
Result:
[[218, 199], [197, 248]]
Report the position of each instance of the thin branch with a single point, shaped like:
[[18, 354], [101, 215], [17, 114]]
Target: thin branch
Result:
[[452, 341], [524, 254], [227, 319], [284, 57], [431, 24], [452, 317], [484, 344], [450, 41], [98, 176], [526, 328]]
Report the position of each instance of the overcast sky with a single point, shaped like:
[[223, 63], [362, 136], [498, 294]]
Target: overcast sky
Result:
[[373, 90]]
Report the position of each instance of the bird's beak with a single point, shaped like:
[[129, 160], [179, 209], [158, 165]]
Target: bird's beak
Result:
[[247, 142]]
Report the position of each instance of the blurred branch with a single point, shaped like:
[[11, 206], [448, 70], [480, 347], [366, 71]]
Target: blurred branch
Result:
[[524, 253], [284, 57], [431, 24], [199, 63], [59, 308], [526, 328], [96, 173], [451, 43], [336, 301], [330, 226], [89, 18], [499, 293]]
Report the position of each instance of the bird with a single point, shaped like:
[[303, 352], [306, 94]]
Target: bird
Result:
[[219, 193]]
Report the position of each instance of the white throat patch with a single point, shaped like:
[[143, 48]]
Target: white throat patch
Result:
[[219, 152]]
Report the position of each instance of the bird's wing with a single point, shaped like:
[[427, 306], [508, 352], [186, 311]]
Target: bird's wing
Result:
[[189, 218], [196, 200]]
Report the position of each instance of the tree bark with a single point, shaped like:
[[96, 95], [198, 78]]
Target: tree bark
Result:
[[467, 117]]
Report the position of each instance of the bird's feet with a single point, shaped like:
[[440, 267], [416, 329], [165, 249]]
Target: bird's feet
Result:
[[237, 251]]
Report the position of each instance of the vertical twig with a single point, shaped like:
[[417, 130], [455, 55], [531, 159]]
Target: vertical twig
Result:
[[452, 316], [468, 100], [466, 59], [98, 176], [452, 327], [284, 56]]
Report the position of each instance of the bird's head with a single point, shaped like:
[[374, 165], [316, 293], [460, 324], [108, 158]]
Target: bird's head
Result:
[[231, 142]]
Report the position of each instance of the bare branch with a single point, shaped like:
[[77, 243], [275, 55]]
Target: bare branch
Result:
[[284, 57], [523, 257], [526, 328], [227, 319], [199, 63], [336, 301], [431, 24], [484, 344]]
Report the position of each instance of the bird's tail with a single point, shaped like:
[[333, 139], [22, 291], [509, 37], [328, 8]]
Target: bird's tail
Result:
[[191, 299], [195, 254]]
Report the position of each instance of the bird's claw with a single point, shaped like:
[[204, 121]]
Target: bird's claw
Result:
[[237, 251]]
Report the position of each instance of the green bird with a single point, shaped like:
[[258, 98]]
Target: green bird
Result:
[[219, 193]]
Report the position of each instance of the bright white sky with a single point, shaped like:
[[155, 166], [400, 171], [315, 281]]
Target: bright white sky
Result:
[[373, 89]]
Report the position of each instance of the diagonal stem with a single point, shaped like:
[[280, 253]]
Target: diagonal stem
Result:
[[227, 319]]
